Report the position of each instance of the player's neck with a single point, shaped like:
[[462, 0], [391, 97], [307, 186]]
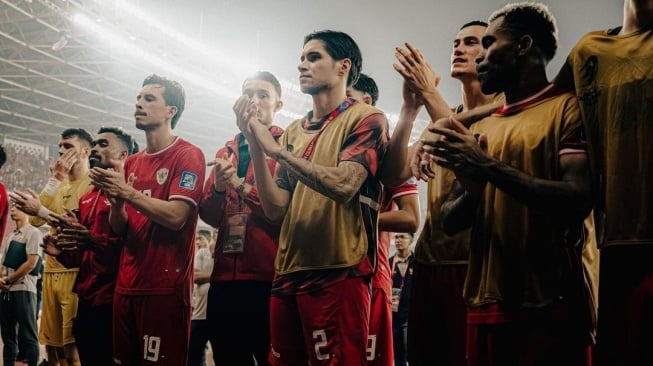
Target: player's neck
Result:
[[638, 14], [78, 171], [326, 101], [472, 96], [158, 139], [524, 87]]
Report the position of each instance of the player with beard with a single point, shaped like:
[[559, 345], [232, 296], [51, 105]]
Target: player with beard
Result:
[[522, 184], [154, 208], [87, 242]]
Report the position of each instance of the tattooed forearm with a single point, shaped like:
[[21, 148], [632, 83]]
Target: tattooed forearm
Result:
[[339, 183]]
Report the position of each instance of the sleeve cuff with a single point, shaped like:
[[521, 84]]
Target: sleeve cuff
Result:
[[43, 213]]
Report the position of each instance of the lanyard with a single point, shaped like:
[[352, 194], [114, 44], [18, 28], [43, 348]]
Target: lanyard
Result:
[[403, 273], [335, 113], [235, 160]]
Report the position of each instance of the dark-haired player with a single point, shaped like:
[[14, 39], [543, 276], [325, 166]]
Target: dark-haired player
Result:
[[87, 242], [326, 192], [154, 207]]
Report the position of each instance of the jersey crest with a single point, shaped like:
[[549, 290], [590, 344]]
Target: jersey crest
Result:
[[161, 175], [188, 180]]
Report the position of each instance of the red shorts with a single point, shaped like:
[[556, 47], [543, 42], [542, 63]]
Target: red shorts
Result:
[[327, 327], [150, 330], [436, 318], [525, 337], [626, 306], [379, 342]]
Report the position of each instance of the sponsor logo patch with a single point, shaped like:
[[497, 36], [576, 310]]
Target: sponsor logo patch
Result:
[[188, 180]]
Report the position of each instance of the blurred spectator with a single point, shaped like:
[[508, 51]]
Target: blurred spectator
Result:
[[401, 265], [25, 168]]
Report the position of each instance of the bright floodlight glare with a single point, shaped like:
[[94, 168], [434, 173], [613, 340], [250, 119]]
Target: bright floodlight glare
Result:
[[117, 41], [240, 67]]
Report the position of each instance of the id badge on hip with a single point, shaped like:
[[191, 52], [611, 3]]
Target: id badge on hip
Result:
[[236, 228], [396, 296]]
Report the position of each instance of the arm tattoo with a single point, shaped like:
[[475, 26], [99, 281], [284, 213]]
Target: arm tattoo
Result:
[[339, 183]]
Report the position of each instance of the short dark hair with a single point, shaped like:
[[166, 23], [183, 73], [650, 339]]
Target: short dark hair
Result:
[[533, 19], [3, 156], [174, 94], [265, 76], [340, 46], [204, 233], [80, 133], [473, 23], [127, 140], [367, 85]]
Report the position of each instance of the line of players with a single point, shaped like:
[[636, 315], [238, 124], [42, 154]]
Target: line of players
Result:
[[299, 211]]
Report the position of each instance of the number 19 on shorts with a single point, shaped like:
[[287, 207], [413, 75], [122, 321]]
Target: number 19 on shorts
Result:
[[151, 347]]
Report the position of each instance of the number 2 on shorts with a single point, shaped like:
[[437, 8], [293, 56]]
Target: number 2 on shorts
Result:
[[321, 341]]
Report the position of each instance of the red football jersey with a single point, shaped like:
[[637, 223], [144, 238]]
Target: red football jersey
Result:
[[98, 269], [156, 260], [382, 278]]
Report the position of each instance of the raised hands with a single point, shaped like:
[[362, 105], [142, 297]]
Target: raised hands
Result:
[[223, 172], [246, 111], [462, 152], [71, 234], [50, 246], [256, 133], [28, 202], [111, 181], [61, 168], [418, 74]]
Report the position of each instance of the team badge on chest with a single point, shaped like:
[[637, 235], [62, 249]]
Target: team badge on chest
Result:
[[161, 175]]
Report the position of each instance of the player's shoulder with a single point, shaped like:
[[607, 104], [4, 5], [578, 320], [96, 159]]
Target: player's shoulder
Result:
[[367, 110], [185, 145], [590, 39]]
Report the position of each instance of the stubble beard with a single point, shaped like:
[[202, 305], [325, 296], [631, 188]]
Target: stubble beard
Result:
[[313, 90], [147, 127]]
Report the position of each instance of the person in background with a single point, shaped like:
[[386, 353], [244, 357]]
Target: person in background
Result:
[[199, 330], [21, 253], [401, 265]]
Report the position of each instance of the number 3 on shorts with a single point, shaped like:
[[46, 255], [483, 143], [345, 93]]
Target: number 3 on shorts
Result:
[[151, 346], [321, 341]]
